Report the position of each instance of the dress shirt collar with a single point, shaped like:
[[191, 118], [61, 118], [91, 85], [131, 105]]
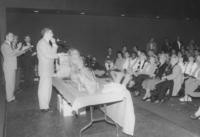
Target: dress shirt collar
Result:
[[8, 42]]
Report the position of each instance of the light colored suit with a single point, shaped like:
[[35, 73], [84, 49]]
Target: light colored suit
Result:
[[9, 68], [46, 55], [177, 77]]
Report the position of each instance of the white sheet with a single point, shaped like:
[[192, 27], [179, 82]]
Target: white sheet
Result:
[[121, 110]]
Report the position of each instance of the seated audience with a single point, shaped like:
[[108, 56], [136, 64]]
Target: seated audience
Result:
[[109, 60], [147, 72], [150, 83], [164, 89], [124, 48], [192, 83], [190, 66], [166, 47], [109, 54], [116, 75], [118, 66], [94, 65], [152, 45], [178, 44], [134, 62]]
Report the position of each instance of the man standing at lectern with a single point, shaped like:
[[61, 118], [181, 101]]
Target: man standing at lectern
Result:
[[46, 53]]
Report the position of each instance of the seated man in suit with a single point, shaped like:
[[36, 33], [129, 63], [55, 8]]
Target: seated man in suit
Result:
[[178, 44], [151, 45], [165, 87]]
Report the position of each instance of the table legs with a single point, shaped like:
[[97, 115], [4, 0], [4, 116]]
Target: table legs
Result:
[[105, 118]]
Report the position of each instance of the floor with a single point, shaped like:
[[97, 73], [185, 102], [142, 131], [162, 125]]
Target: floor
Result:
[[170, 119]]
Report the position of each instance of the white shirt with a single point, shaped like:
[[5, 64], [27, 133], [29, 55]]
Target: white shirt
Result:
[[135, 66], [142, 63], [183, 66], [126, 63], [190, 68], [133, 61], [46, 55], [179, 44], [197, 74]]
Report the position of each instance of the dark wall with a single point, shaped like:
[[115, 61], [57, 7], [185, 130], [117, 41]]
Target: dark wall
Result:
[[2, 91], [2, 108], [93, 34]]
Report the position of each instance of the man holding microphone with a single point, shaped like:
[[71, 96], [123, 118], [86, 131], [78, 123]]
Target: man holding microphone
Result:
[[46, 53]]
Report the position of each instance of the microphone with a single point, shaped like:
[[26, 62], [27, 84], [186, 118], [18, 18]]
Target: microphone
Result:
[[60, 41]]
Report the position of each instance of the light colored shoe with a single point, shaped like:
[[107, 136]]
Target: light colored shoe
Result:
[[189, 99], [183, 99]]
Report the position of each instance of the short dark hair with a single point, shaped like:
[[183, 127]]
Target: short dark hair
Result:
[[44, 30], [119, 52]]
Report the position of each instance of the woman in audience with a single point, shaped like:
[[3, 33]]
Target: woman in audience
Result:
[[124, 76], [82, 76], [134, 62], [118, 66], [190, 66], [188, 69], [126, 61], [134, 70], [192, 83], [142, 61], [124, 49], [173, 52], [147, 72], [196, 53], [149, 84]]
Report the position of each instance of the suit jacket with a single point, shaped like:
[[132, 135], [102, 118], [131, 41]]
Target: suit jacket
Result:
[[9, 57], [166, 47], [175, 73], [151, 46], [46, 55], [177, 78], [176, 46]]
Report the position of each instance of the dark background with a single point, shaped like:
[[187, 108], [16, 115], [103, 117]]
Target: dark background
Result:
[[93, 34], [101, 26]]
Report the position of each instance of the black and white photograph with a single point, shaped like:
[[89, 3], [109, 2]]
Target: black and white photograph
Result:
[[99, 68]]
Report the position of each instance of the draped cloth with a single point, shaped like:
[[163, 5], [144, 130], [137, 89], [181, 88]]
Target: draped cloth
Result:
[[120, 108], [122, 112]]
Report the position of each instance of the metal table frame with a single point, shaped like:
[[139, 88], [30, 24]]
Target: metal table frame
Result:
[[93, 120]]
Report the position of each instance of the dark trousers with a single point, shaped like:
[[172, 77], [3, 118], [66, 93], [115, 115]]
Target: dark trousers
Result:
[[182, 90], [17, 79], [161, 90], [138, 81], [28, 75]]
